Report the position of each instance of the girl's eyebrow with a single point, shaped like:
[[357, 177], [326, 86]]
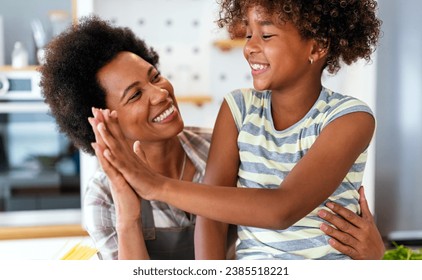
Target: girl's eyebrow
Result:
[[265, 22], [261, 22]]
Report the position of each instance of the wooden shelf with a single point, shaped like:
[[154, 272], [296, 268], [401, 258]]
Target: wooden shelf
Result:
[[30, 232], [227, 45], [198, 100], [8, 68]]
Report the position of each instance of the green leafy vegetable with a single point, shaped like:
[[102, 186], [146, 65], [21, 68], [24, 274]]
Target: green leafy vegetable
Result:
[[402, 253]]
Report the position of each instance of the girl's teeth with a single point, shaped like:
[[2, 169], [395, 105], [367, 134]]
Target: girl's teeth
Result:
[[164, 115], [258, 66]]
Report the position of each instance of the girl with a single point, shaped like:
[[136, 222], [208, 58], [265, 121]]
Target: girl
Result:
[[290, 145]]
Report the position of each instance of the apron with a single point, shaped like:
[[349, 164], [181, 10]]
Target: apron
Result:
[[173, 243]]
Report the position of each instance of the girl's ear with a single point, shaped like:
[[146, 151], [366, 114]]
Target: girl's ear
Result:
[[319, 51]]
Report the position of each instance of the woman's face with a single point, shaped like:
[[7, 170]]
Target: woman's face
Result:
[[144, 100]]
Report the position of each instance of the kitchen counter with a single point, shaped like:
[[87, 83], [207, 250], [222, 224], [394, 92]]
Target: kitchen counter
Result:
[[41, 224]]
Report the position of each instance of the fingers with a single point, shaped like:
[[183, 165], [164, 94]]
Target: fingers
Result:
[[363, 202], [105, 129], [340, 229], [107, 167], [350, 217], [111, 138], [137, 149], [98, 118], [112, 124]]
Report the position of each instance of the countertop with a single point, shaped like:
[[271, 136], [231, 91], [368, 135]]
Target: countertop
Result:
[[41, 224]]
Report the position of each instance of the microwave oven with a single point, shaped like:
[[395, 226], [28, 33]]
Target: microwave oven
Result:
[[39, 166], [18, 84]]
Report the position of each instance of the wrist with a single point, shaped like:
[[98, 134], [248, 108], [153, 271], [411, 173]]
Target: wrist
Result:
[[125, 226]]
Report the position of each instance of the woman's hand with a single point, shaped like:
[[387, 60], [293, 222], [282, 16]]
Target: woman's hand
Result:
[[129, 161], [131, 244], [353, 235], [126, 201]]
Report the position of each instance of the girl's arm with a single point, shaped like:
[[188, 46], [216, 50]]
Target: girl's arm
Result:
[[311, 181], [222, 168]]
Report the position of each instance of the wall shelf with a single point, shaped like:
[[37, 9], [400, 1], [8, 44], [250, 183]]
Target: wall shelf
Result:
[[227, 45], [9, 68], [198, 100]]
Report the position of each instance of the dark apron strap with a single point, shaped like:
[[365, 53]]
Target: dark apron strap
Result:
[[148, 226]]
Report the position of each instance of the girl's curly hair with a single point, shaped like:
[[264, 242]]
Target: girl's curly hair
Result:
[[349, 28], [68, 76]]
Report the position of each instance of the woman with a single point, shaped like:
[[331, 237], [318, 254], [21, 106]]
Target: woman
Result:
[[97, 65]]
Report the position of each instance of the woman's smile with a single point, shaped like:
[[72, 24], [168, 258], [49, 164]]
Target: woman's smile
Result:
[[166, 116]]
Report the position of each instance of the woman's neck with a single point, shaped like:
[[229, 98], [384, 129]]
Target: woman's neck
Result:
[[168, 157]]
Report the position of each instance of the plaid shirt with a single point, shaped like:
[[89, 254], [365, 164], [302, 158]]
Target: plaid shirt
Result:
[[99, 214]]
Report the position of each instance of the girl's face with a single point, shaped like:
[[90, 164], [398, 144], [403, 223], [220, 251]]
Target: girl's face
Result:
[[144, 100], [276, 53]]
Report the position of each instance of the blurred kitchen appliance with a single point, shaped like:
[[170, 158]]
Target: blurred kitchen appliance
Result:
[[40, 167], [1, 41], [19, 84]]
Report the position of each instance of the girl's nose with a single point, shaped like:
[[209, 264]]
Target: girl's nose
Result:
[[159, 95], [251, 46]]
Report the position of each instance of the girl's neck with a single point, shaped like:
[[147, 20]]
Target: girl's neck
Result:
[[288, 106]]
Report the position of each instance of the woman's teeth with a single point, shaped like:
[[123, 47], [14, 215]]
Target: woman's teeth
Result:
[[164, 115]]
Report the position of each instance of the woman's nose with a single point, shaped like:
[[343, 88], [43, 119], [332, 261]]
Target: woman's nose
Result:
[[159, 95]]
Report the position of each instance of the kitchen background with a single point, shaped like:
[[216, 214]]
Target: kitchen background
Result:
[[203, 68]]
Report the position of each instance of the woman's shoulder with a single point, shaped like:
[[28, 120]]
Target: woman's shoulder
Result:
[[196, 132]]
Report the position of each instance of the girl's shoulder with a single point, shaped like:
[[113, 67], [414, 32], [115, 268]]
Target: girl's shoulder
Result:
[[334, 101], [247, 97], [332, 105]]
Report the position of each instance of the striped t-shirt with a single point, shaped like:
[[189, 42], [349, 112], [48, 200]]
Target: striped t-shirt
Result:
[[266, 158]]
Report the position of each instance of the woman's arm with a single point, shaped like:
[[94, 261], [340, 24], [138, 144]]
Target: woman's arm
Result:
[[222, 168], [131, 244], [315, 177], [353, 235]]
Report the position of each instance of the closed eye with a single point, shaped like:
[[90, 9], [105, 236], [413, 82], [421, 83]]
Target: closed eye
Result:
[[267, 36], [135, 95], [156, 77]]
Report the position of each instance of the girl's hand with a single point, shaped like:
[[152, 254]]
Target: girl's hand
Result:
[[353, 235]]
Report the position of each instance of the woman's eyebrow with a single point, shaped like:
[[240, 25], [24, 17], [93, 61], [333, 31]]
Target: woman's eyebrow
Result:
[[132, 85], [126, 91]]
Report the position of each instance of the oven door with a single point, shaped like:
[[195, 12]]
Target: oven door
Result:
[[39, 167]]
